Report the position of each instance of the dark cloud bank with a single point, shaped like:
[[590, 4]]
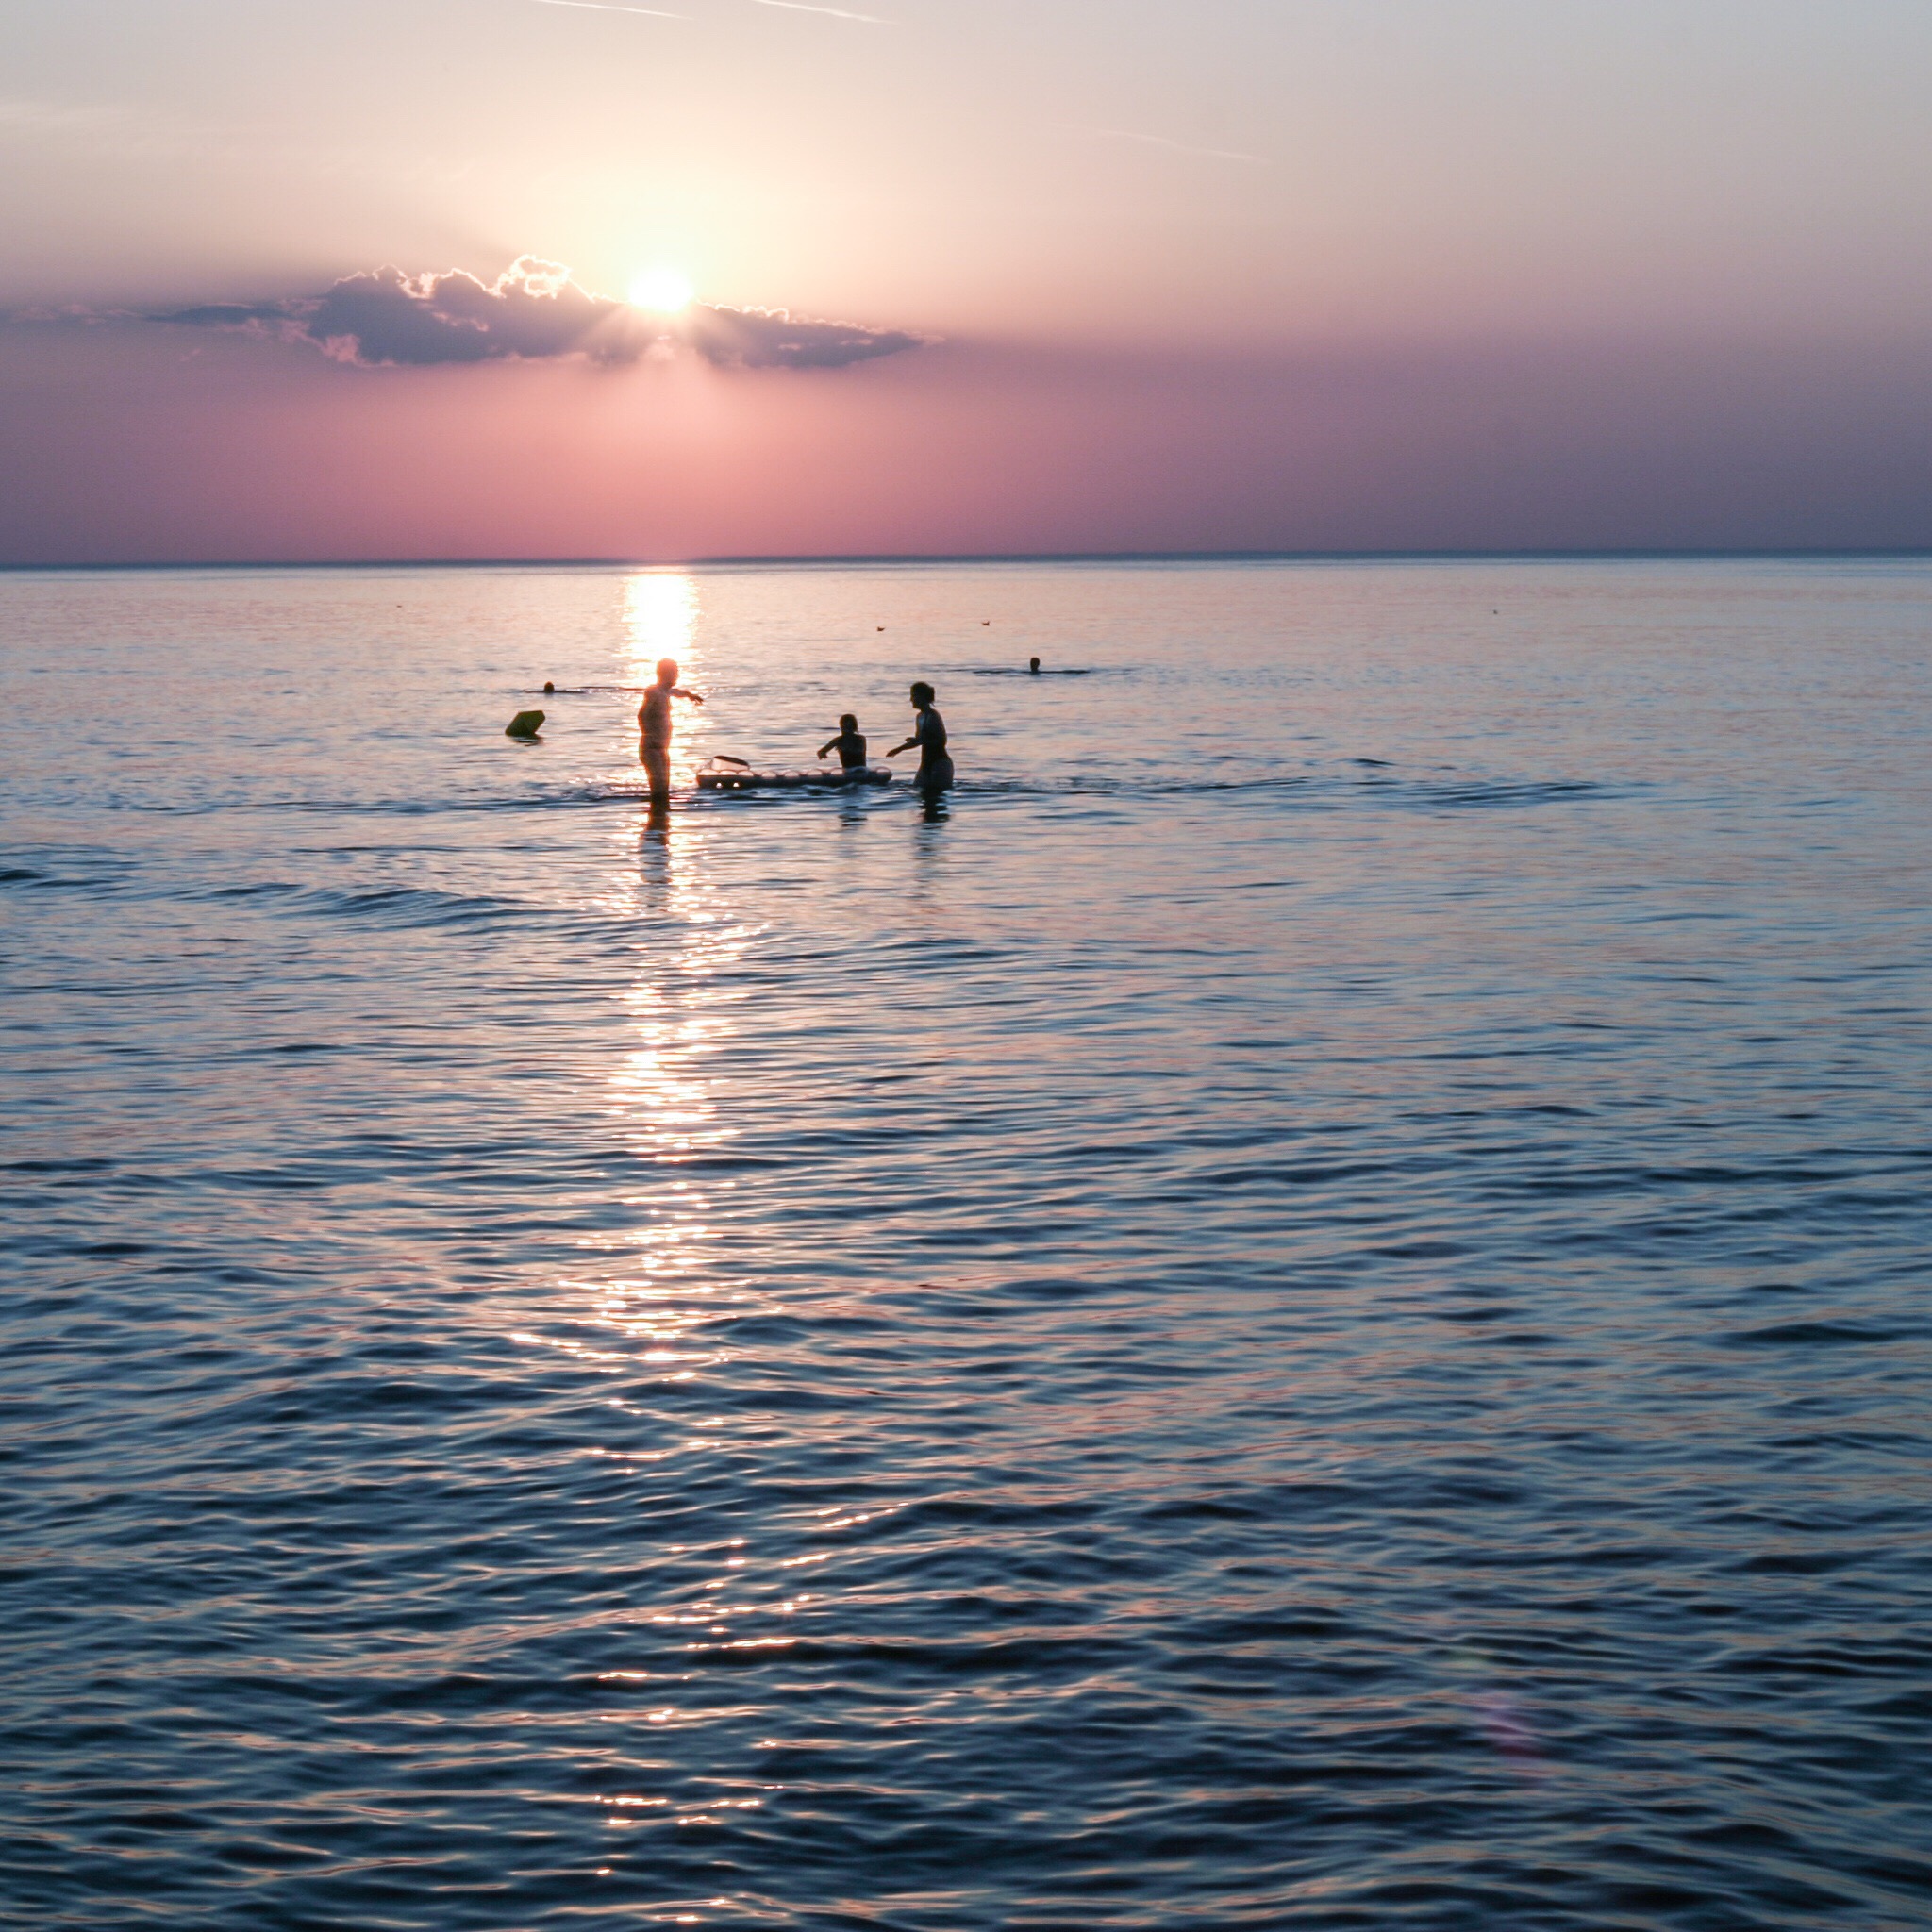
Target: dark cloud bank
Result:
[[534, 310]]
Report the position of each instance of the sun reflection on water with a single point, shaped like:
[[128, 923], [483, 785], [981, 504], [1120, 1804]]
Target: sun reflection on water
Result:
[[660, 1092], [660, 616], [656, 1286]]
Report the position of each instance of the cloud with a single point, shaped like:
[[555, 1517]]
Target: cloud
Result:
[[384, 318], [771, 338]]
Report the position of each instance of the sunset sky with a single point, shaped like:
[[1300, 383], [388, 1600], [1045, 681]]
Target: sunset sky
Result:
[[968, 275]]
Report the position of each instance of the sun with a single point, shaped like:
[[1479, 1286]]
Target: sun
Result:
[[662, 291]]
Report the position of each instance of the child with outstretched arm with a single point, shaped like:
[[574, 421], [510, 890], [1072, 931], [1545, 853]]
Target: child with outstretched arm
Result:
[[653, 728], [849, 745]]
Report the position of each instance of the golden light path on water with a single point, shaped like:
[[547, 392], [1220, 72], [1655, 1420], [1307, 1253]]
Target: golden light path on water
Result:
[[656, 1281], [653, 1284], [686, 937]]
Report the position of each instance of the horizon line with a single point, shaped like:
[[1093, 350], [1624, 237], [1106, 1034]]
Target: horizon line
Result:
[[830, 559]]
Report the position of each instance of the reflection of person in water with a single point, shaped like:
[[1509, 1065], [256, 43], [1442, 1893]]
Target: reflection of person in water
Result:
[[850, 743], [935, 773], [653, 728]]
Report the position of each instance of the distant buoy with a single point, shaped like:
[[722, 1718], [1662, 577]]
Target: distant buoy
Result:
[[548, 686], [524, 724]]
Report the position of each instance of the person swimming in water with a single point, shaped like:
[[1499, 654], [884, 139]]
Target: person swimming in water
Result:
[[653, 728], [935, 773], [1033, 667], [850, 743]]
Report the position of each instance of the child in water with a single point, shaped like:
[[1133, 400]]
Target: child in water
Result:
[[653, 728], [935, 773], [850, 743]]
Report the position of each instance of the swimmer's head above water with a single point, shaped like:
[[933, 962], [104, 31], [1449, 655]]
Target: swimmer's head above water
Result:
[[1033, 665]]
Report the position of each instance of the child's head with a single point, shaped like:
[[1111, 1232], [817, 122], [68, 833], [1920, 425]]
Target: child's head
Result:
[[666, 670], [847, 721], [922, 696]]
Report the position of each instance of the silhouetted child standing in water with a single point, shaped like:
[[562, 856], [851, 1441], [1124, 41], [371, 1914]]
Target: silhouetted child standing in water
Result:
[[654, 728], [850, 743]]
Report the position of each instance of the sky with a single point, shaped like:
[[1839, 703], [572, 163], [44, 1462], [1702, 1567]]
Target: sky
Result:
[[400, 278]]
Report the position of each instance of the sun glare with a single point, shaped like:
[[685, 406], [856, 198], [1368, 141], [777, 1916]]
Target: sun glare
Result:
[[662, 291]]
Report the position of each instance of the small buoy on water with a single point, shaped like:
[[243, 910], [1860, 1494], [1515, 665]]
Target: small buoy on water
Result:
[[524, 724], [548, 686]]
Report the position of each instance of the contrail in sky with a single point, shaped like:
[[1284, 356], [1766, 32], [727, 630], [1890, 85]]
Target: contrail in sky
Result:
[[837, 12], [610, 7], [1180, 148]]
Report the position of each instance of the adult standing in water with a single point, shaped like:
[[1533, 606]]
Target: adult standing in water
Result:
[[935, 773], [654, 729]]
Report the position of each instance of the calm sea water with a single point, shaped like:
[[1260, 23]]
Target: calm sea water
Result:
[[1305, 1307]]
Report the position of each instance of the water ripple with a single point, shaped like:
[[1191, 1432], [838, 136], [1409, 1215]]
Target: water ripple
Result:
[[1303, 1310]]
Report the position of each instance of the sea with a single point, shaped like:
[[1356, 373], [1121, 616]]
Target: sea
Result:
[[1302, 1306]]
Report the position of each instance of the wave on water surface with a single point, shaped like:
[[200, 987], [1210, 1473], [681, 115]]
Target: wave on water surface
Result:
[[1303, 1312]]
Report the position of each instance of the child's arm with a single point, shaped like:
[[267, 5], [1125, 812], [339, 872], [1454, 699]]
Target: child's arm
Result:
[[677, 690], [898, 748], [825, 749]]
